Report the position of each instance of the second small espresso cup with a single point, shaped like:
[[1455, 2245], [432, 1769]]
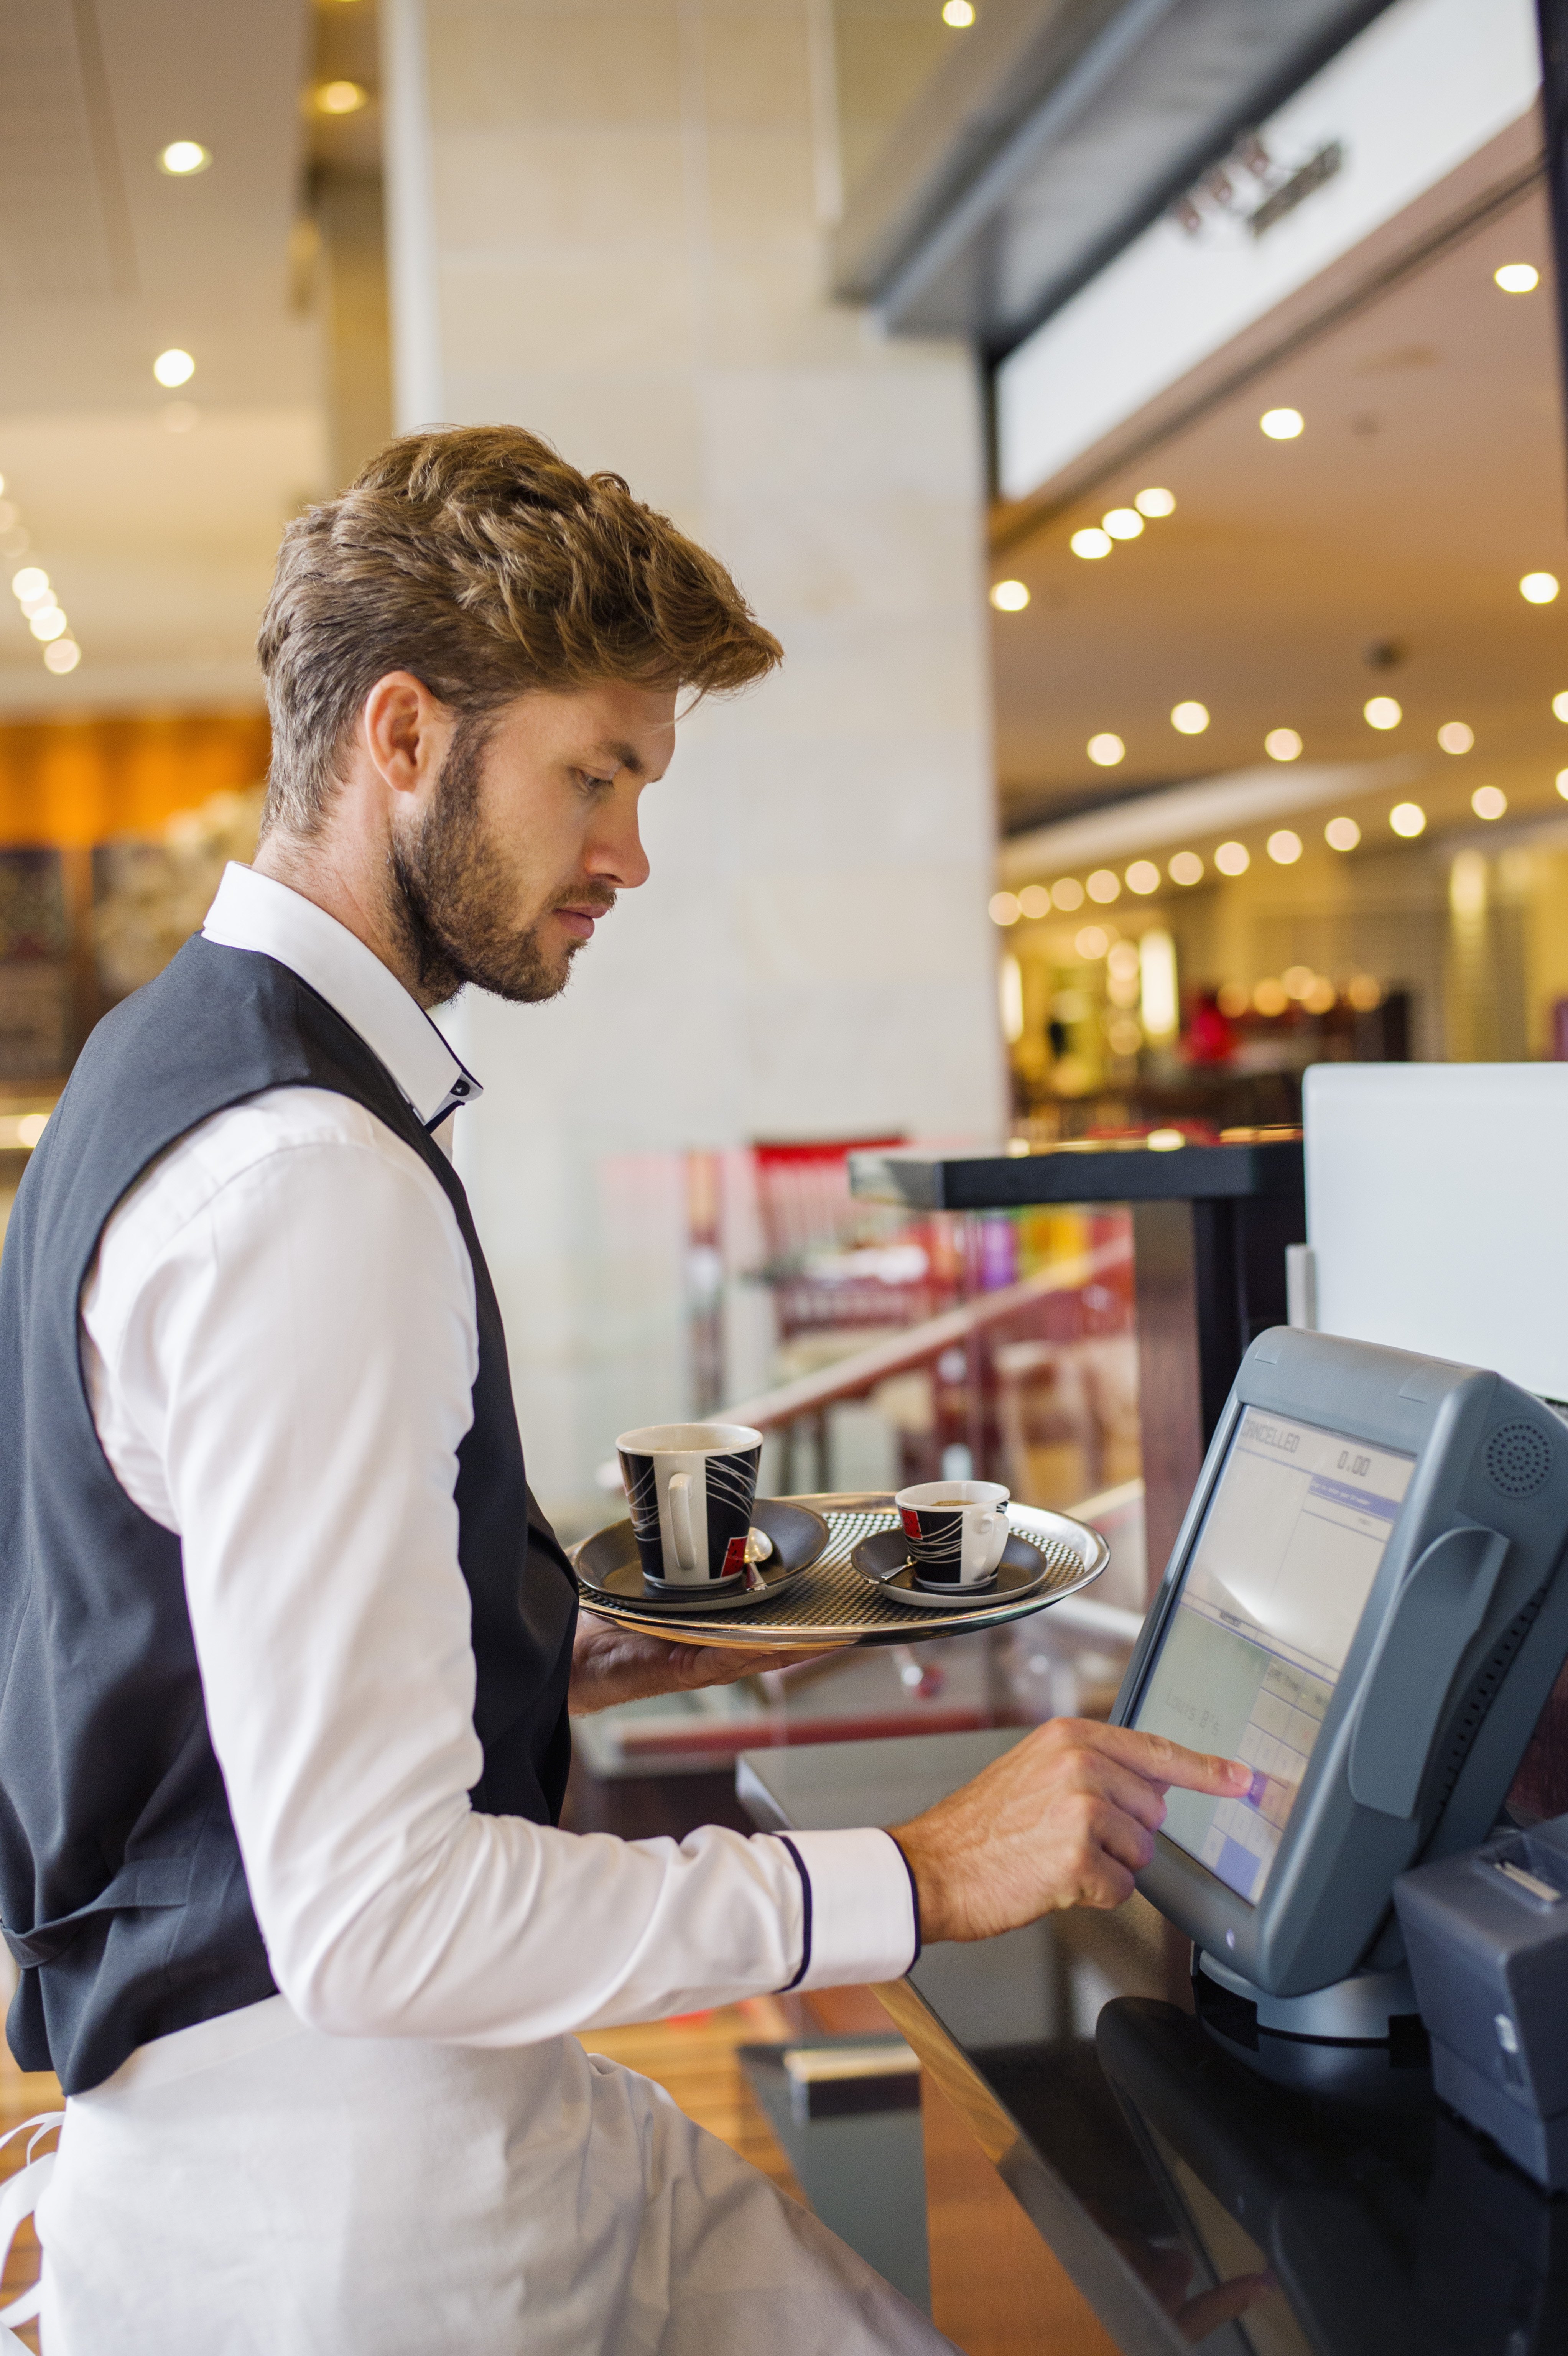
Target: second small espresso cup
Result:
[[957, 1530], [691, 1487]]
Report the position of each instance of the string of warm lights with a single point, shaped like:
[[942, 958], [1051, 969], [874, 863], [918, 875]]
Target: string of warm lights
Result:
[[41, 609]]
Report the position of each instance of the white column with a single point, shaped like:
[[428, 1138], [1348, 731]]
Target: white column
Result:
[[622, 250]]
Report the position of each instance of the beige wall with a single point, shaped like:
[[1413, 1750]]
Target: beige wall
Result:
[[606, 224]]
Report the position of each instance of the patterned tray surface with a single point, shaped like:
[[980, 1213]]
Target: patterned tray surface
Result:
[[831, 1603]]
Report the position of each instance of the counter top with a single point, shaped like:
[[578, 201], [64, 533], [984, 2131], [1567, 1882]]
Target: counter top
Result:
[[1088, 1170], [1192, 2201]]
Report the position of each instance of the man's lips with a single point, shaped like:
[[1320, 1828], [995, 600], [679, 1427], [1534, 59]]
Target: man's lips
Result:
[[579, 922]]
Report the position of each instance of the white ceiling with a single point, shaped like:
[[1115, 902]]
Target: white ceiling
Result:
[[160, 542]]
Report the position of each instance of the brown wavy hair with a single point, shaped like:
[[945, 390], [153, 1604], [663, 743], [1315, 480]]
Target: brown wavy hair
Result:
[[478, 558]]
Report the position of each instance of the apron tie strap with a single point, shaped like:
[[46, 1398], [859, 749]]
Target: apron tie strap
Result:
[[19, 2197]]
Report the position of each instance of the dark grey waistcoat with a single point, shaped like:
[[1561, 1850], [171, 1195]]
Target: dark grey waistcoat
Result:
[[122, 1890]]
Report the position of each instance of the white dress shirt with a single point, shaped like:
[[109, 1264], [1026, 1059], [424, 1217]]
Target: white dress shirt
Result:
[[279, 1341]]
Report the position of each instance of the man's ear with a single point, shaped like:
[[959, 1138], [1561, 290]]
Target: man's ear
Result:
[[404, 732]]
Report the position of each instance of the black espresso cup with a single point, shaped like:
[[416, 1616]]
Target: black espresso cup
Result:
[[691, 1487]]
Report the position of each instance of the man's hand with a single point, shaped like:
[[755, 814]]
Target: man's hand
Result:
[[1065, 1818], [611, 1665]]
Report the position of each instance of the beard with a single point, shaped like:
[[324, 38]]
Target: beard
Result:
[[454, 891]]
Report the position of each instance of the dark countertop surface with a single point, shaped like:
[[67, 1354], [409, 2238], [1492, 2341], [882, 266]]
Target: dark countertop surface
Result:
[[1097, 1169], [1194, 2203]]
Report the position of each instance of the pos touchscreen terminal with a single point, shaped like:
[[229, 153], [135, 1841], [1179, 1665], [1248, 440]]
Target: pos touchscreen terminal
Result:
[[1365, 1603]]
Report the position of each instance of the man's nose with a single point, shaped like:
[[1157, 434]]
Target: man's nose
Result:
[[616, 855]]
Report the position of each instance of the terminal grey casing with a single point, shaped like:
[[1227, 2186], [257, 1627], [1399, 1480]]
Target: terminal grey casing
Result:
[[1463, 1634]]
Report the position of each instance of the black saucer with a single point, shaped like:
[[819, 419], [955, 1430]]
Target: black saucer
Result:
[[609, 1561], [884, 1559]]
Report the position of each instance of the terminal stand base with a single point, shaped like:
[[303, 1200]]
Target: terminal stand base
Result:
[[1363, 2037]]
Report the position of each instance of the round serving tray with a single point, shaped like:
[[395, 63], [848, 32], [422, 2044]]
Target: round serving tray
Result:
[[831, 1603]]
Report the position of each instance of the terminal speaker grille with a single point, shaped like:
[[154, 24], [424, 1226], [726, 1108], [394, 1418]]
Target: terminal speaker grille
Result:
[[1518, 1458]]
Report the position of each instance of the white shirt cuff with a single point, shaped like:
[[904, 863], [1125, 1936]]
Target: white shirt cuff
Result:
[[859, 1911]]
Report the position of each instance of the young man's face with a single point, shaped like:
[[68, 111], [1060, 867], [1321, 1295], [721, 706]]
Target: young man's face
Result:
[[529, 834]]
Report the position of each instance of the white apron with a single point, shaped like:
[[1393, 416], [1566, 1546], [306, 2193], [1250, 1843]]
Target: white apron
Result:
[[307, 2195]]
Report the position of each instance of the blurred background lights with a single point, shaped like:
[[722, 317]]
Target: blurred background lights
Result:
[[1281, 424], [1159, 1003], [174, 367], [1233, 999], [48, 624], [1408, 818], [1105, 750], [1283, 745], [1538, 588], [1035, 901], [1560, 706], [1190, 719], [1364, 992], [1285, 847], [1455, 737], [1518, 277], [1004, 908], [1104, 886], [1563, 782], [1467, 884], [1091, 942], [63, 655], [1091, 542], [1068, 894], [1122, 524], [1154, 502], [1341, 834], [183, 158], [959, 14], [1232, 859], [1381, 712], [1143, 877], [1489, 801], [1011, 987], [1298, 980], [31, 581], [1123, 962], [1322, 997], [348, 97], [1270, 996], [1009, 596], [1187, 867]]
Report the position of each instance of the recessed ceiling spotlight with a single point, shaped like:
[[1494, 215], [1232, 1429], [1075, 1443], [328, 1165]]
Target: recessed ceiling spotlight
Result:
[[1283, 745], [183, 158], [1068, 892], [1285, 847], [1154, 502], [1190, 719], [1341, 834], [1563, 782], [1381, 712], [1489, 801], [1455, 737], [1518, 277], [959, 14], [1105, 750], [174, 367], [1143, 877], [1232, 859], [1122, 524], [1009, 596], [1281, 424], [344, 97], [1035, 901], [1408, 818], [1104, 886], [1004, 908], [1187, 867], [1538, 588], [1560, 706], [1091, 542]]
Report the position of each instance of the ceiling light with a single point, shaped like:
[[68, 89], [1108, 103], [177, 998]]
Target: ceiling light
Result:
[[174, 367], [1091, 541], [1091, 942], [1154, 502], [1270, 997], [1009, 596], [1281, 424], [1518, 277], [1187, 867], [1285, 847], [1489, 801], [1283, 745], [1563, 782], [1341, 834], [1105, 751], [1560, 706], [348, 97], [63, 655], [1408, 818], [31, 581], [47, 623], [1455, 737], [1298, 980], [1104, 886], [1143, 877], [1004, 908], [1538, 588], [1068, 893], [1382, 712], [1122, 524], [1232, 859], [1190, 719], [959, 14], [183, 158], [1035, 901]]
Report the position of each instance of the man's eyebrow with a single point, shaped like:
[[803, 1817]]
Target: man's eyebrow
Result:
[[624, 756]]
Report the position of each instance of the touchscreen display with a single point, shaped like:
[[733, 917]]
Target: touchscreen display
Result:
[[1268, 1603]]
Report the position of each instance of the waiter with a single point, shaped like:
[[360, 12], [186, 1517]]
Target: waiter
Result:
[[287, 1648]]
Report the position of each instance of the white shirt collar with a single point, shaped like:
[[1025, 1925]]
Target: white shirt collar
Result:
[[255, 912]]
